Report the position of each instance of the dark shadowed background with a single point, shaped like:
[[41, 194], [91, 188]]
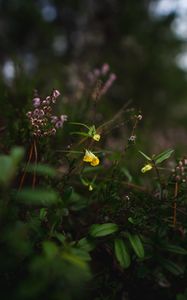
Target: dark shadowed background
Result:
[[46, 44]]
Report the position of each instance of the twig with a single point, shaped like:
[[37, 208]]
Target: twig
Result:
[[24, 172], [175, 204]]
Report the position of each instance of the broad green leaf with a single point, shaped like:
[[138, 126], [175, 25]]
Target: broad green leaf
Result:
[[50, 249], [146, 156], [38, 197], [59, 237], [9, 165], [74, 260], [172, 267], [81, 253], [17, 154], [85, 244], [121, 253], [163, 156], [99, 230], [175, 249], [7, 169], [40, 169], [136, 245], [43, 214]]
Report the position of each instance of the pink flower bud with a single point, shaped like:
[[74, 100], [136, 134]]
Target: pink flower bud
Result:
[[113, 77], [53, 131], [56, 93], [36, 102], [36, 112], [29, 114], [63, 118], [97, 72], [105, 69], [54, 119], [59, 124]]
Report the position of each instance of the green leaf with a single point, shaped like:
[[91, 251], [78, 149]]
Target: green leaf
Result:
[[136, 245], [127, 174], [81, 253], [37, 197], [81, 124], [40, 169], [146, 156], [74, 260], [50, 249], [175, 249], [9, 165], [181, 297], [7, 169], [85, 244], [163, 156], [80, 133], [99, 230], [60, 237], [172, 267], [17, 154], [43, 214], [121, 253]]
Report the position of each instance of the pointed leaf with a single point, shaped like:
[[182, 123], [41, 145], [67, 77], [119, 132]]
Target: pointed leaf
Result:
[[175, 249], [146, 156], [163, 156], [136, 245], [121, 253], [99, 230]]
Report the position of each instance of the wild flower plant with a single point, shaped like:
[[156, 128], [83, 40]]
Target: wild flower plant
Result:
[[42, 120]]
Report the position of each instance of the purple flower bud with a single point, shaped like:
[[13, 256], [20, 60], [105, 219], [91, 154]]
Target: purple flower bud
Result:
[[36, 102], [113, 77], [105, 69], [54, 119], [53, 131], [29, 114], [36, 112], [41, 113], [91, 77], [59, 124], [97, 72], [63, 118], [56, 93], [48, 100]]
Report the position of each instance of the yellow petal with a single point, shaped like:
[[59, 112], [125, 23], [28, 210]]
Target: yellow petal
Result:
[[88, 157], [146, 168], [95, 161], [90, 188], [96, 137]]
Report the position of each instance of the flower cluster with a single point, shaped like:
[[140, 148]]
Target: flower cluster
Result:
[[42, 121], [180, 171], [95, 77]]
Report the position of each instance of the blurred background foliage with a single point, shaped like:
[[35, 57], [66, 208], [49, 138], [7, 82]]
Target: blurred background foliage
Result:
[[46, 44]]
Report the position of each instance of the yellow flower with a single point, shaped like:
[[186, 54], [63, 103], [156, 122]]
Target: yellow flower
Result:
[[96, 137], [146, 168], [90, 188], [91, 158]]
